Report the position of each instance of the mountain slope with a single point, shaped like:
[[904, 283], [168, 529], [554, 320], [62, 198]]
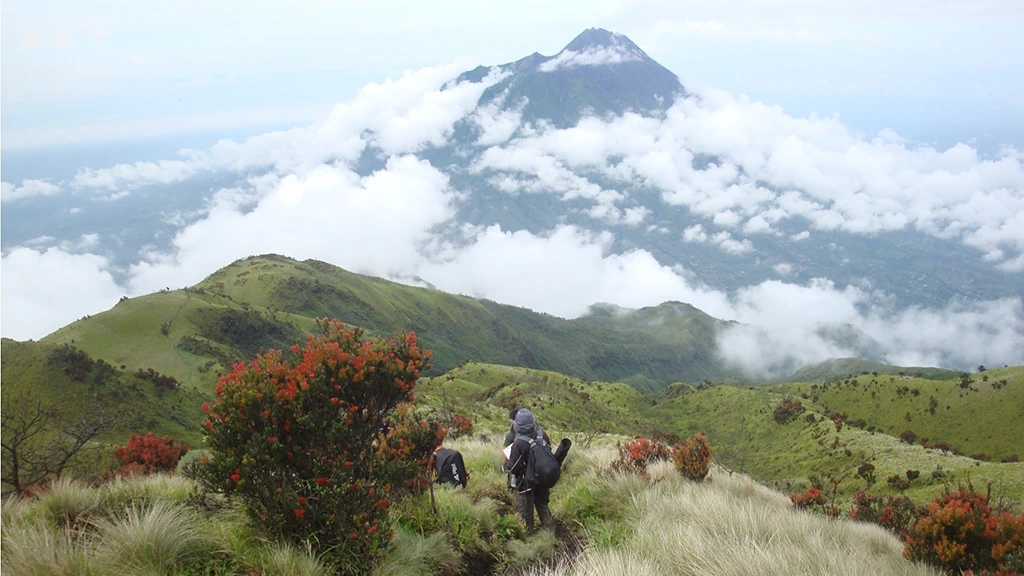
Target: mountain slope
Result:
[[270, 301]]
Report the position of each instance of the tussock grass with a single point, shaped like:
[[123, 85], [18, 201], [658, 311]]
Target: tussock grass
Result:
[[155, 537], [419, 555], [66, 501], [733, 526], [38, 548], [539, 547], [121, 492], [285, 560]]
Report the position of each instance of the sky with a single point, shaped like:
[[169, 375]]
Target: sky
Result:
[[879, 115], [79, 72]]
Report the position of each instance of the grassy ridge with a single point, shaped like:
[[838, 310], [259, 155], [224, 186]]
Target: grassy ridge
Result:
[[980, 419], [841, 368], [269, 301]]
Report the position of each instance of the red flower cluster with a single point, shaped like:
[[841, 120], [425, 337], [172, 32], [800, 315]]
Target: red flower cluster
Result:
[[147, 454], [635, 455], [959, 533], [814, 500], [461, 425]]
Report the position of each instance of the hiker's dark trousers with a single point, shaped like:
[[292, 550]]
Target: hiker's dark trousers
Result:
[[527, 501]]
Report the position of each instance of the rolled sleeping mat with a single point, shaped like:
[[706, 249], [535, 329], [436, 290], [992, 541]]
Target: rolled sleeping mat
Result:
[[562, 450]]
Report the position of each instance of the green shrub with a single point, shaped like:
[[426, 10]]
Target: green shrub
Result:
[[301, 440]]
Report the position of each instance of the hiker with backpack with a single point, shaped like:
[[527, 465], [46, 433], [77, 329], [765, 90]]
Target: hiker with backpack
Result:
[[533, 470]]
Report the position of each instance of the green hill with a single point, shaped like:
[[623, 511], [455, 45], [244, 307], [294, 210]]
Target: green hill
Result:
[[975, 414], [839, 368], [740, 425], [270, 301], [81, 388]]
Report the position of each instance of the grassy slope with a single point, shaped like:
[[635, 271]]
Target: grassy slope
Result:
[[981, 419], [630, 525], [739, 424], [268, 301], [28, 369], [737, 420]]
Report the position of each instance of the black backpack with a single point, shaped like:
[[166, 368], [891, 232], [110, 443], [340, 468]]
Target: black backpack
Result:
[[450, 468], [542, 469]]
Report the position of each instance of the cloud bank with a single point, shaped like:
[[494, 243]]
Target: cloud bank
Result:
[[741, 168]]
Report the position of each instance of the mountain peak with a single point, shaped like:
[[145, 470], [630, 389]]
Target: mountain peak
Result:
[[599, 38]]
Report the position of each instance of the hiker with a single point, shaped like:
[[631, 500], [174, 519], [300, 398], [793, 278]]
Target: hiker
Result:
[[510, 436], [560, 453], [529, 439]]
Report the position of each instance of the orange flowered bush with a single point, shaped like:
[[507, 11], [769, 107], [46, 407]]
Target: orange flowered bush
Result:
[[959, 533], [461, 425], [814, 500], [635, 455], [692, 457], [313, 445]]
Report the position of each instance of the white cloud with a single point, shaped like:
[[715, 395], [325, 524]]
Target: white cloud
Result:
[[695, 233], [372, 225], [29, 188], [728, 162], [43, 291], [592, 56], [134, 175]]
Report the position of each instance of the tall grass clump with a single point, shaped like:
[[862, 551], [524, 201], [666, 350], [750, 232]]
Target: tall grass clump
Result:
[[285, 560], [37, 548], [157, 537], [417, 554], [65, 501]]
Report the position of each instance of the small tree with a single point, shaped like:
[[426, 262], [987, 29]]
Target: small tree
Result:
[[304, 442], [40, 440]]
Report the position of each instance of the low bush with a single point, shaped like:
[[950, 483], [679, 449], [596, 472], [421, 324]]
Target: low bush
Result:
[[147, 454], [461, 425], [814, 500], [635, 455], [787, 410], [959, 533], [692, 457], [894, 513]]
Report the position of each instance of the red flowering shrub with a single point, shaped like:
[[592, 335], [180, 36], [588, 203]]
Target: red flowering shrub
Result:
[[407, 447], [692, 457], [635, 455], [787, 410], [959, 533], [147, 454], [894, 513], [301, 441], [814, 500], [461, 425]]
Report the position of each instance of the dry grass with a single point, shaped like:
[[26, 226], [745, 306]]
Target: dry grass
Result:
[[733, 526]]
